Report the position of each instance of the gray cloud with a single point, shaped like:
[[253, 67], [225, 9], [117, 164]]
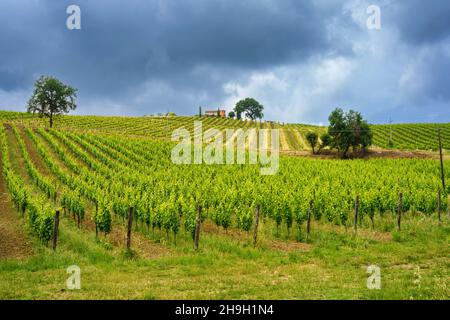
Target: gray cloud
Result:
[[421, 22], [300, 58]]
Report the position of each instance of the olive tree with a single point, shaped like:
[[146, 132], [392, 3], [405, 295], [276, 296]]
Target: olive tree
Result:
[[349, 130], [312, 138]]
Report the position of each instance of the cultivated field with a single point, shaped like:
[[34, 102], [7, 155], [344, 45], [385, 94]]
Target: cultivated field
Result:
[[395, 136], [100, 171]]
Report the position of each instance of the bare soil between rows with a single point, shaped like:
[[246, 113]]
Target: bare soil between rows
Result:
[[13, 238], [373, 153]]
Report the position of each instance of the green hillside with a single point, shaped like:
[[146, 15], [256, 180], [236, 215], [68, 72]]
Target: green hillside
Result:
[[292, 136], [104, 197]]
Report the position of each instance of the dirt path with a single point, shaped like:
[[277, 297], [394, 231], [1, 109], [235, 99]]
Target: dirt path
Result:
[[13, 239], [34, 155], [373, 153]]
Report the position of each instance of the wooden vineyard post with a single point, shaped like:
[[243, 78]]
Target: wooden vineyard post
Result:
[[197, 227], [399, 211], [130, 223], [78, 221], [23, 211], [96, 212], [356, 213], [308, 223], [55, 230], [255, 230], [442, 162], [439, 205]]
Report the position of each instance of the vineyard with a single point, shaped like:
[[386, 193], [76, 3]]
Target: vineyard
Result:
[[101, 173], [293, 136]]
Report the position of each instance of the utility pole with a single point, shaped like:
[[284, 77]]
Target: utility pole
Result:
[[442, 162], [390, 144], [356, 213], [167, 123]]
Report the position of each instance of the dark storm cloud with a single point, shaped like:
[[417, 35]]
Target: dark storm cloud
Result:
[[139, 57], [124, 43], [421, 22]]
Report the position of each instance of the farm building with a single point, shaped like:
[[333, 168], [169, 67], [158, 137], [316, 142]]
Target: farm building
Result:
[[214, 113]]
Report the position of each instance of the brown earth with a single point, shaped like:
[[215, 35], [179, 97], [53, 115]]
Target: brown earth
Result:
[[13, 239], [274, 244], [34, 155], [144, 247], [371, 154], [289, 246], [362, 232]]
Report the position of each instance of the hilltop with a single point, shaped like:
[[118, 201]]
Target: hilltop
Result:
[[408, 137]]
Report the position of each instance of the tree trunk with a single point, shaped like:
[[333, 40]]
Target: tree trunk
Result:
[[344, 154]]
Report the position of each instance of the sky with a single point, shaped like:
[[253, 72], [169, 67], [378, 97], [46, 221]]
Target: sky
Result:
[[300, 59]]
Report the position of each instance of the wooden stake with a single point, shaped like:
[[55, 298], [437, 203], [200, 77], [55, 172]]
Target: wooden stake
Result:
[[197, 227], [442, 161], [55, 230], [96, 212], [356, 213], [308, 224], [130, 223], [255, 231], [399, 211], [439, 205]]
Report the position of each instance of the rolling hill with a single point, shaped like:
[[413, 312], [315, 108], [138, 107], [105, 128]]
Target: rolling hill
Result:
[[292, 136]]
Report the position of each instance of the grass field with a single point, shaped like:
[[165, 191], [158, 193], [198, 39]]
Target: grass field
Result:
[[414, 265]]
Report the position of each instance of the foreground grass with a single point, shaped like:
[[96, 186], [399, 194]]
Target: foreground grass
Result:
[[414, 264]]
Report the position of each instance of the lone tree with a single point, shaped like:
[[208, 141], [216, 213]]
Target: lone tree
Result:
[[252, 109], [312, 138], [349, 130], [231, 115], [52, 97]]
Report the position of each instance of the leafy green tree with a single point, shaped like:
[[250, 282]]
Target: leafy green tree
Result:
[[52, 97], [338, 130], [326, 141], [349, 130], [312, 138], [231, 115], [250, 107]]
